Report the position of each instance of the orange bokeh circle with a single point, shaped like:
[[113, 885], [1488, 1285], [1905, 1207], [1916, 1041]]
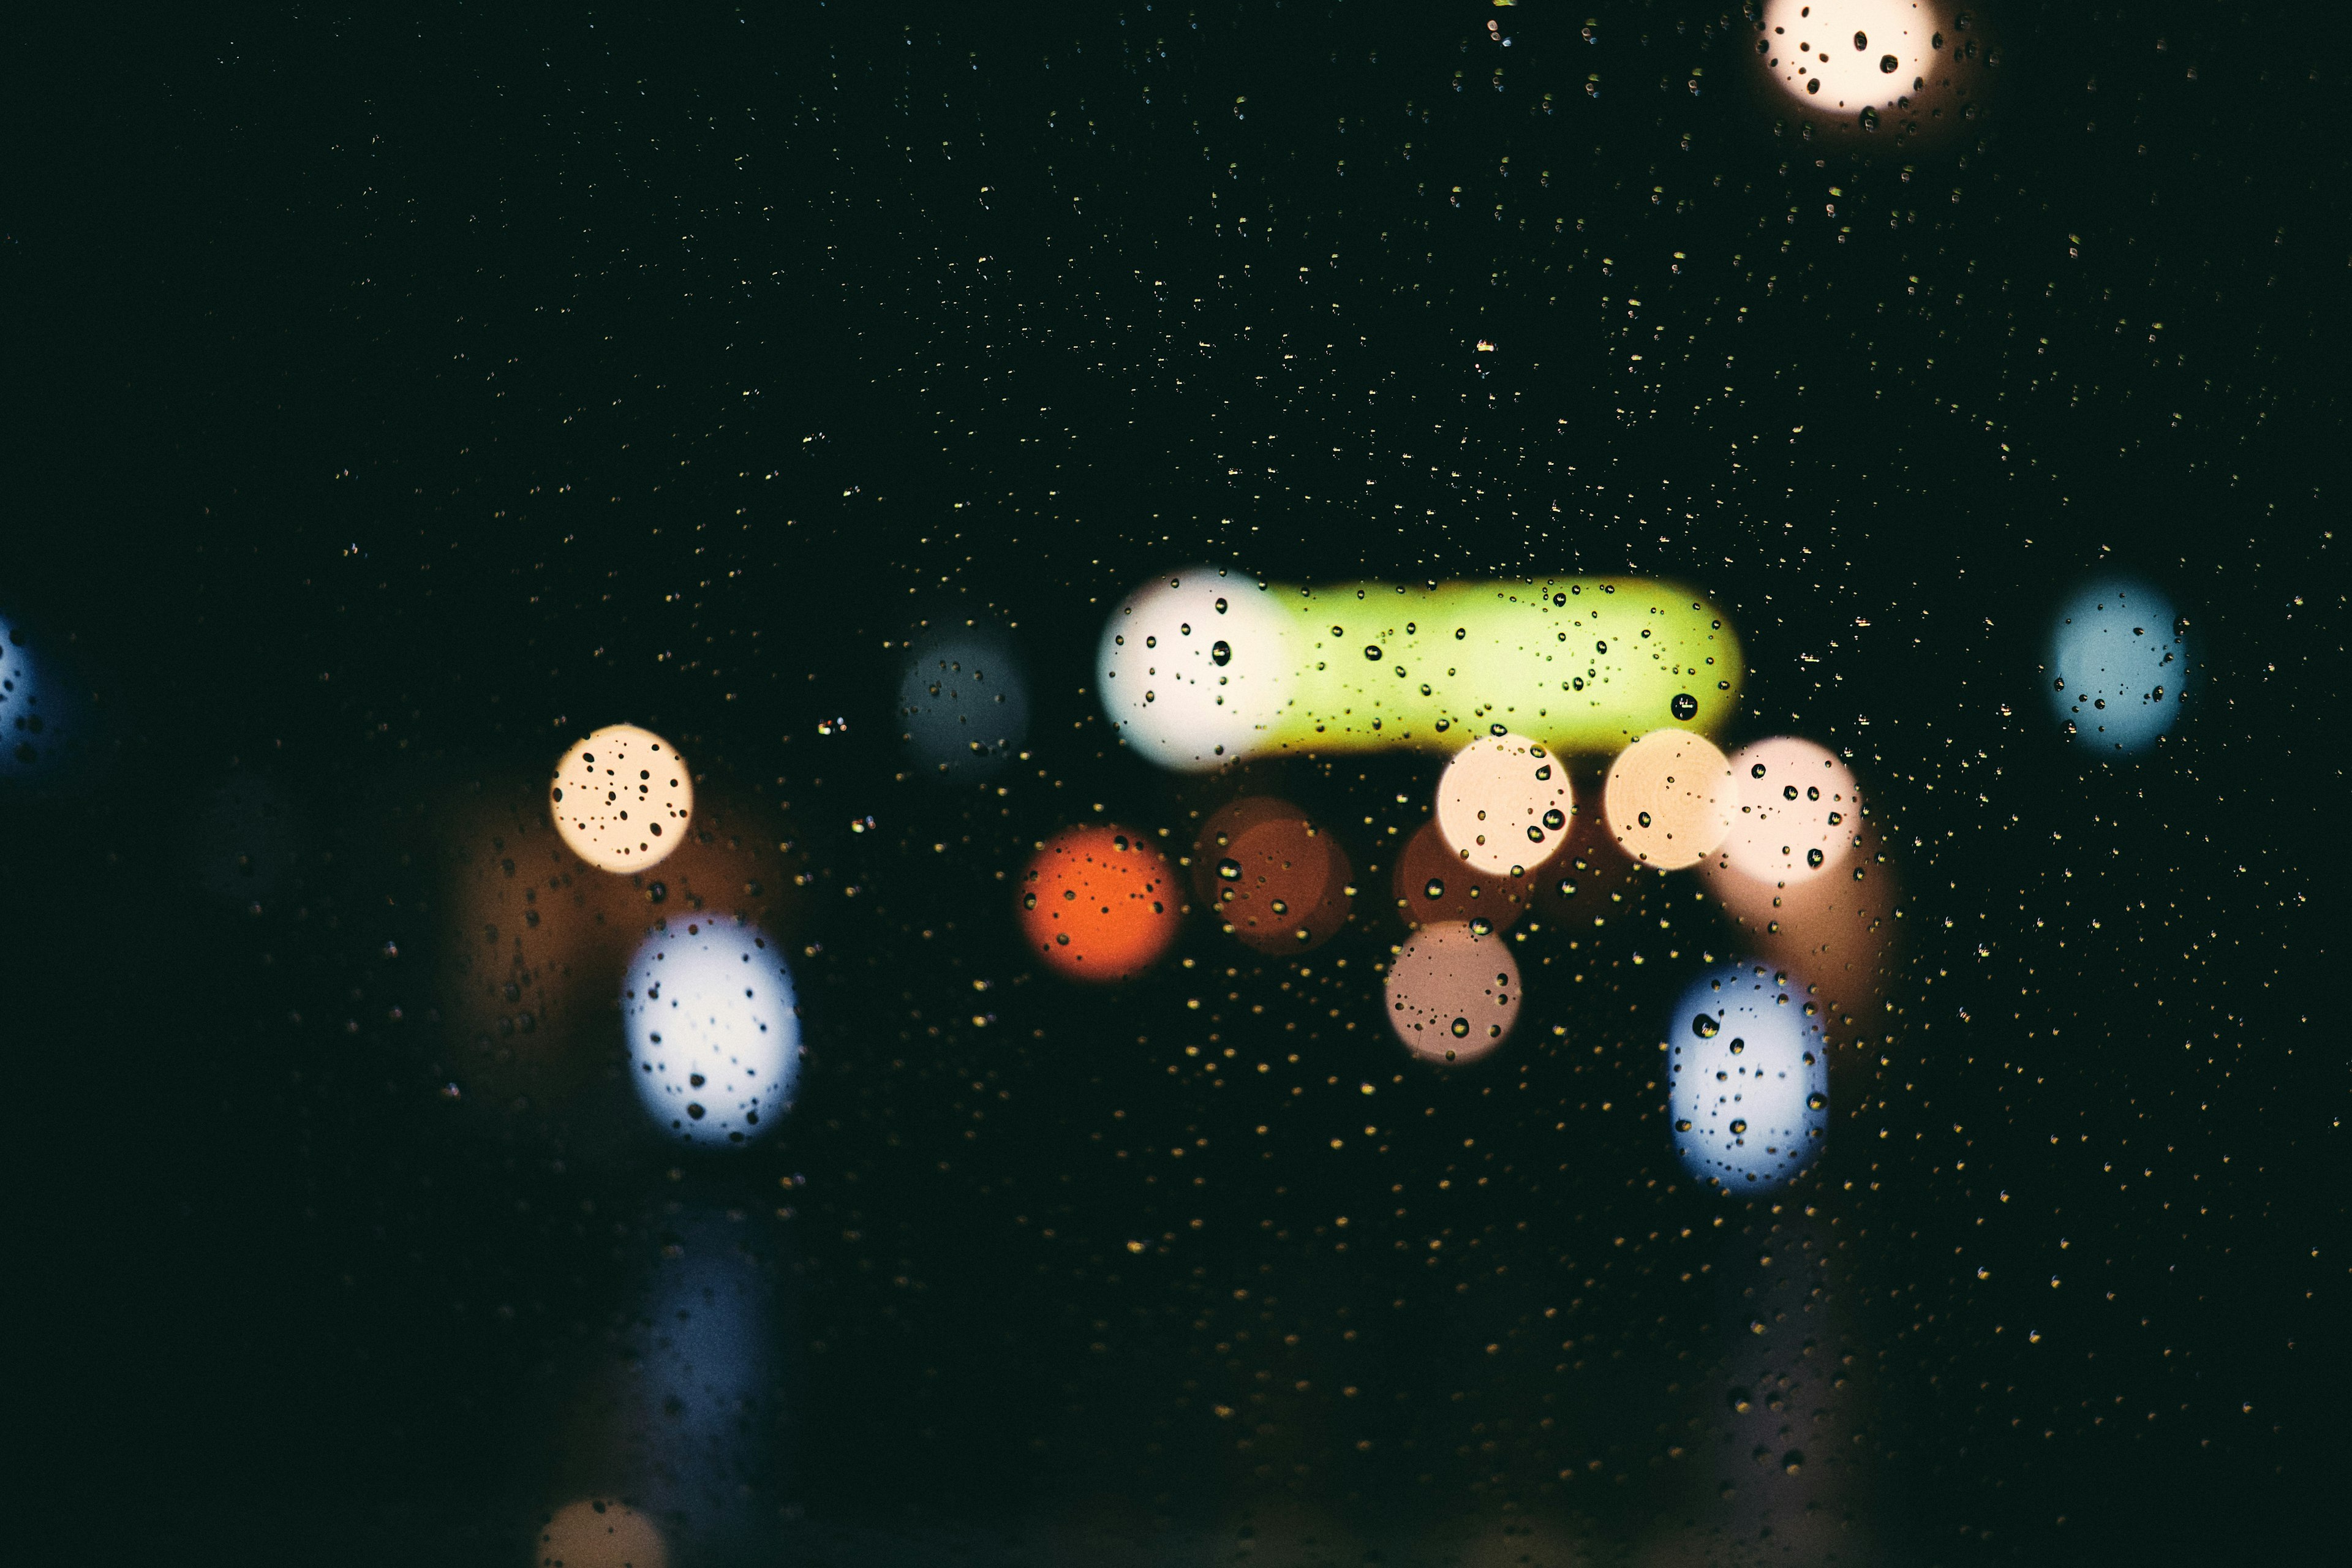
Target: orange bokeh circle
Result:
[[1099, 903]]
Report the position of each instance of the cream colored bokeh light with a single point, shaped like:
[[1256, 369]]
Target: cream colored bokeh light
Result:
[[595, 1532], [1798, 810], [622, 798], [1842, 57], [1669, 799], [1503, 805]]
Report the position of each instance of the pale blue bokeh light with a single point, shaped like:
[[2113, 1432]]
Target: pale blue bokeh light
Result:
[[714, 1035], [1747, 1080], [2118, 666], [963, 703], [27, 724]]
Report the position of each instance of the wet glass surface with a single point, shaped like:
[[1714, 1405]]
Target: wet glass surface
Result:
[[1424, 784]]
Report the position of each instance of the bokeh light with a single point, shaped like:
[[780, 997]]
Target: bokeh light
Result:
[[1453, 994], [1849, 60], [1099, 903], [1204, 666], [1669, 799], [1836, 930], [1503, 805], [1797, 809], [2118, 666], [1747, 1085], [529, 958], [1277, 881], [535, 940], [1435, 886], [963, 702], [32, 715], [621, 798], [1195, 667], [22, 724], [714, 1034], [599, 1532]]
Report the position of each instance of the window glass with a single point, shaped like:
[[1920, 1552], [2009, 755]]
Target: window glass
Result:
[[1299, 782]]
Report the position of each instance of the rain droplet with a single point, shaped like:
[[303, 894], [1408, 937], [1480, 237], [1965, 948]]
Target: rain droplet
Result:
[[1706, 1025], [1221, 652]]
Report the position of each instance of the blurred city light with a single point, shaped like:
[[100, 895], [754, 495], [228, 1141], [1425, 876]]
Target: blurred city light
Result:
[[1797, 809], [1748, 1082], [2118, 666], [1206, 666], [1435, 886], [713, 1031], [597, 1532], [1453, 994], [1670, 799], [1862, 61], [621, 798], [1503, 805], [963, 702], [1099, 903], [1277, 881]]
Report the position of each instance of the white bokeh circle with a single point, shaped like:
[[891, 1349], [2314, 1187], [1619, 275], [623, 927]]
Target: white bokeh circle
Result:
[[1841, 57], [1748, 1081], [1195, 667], [714, 1034]]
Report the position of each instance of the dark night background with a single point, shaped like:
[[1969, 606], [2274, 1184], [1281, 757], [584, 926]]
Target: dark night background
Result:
[[395, 395]]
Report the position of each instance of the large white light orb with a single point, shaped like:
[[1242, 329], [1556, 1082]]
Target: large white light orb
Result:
[[621, 798], [2118, 666], [963, 704], [1847, 55], [1193, 666], [1747, 1078], [714, 1035]]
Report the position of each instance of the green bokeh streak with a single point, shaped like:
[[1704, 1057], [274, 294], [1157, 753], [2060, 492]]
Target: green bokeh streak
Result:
[[1458, 659]]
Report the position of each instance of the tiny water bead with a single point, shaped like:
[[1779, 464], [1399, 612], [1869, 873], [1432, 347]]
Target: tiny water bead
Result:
[[1747, 1078], [621, 798], [1099, 903]]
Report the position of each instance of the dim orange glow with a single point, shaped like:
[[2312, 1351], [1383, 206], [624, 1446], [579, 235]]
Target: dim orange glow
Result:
[[1435, 886], [1099, 903], [1452, 994], [1277, 882]]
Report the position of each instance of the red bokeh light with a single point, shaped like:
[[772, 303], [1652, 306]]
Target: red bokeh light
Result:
[[1099, 903], [1277, 882]]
